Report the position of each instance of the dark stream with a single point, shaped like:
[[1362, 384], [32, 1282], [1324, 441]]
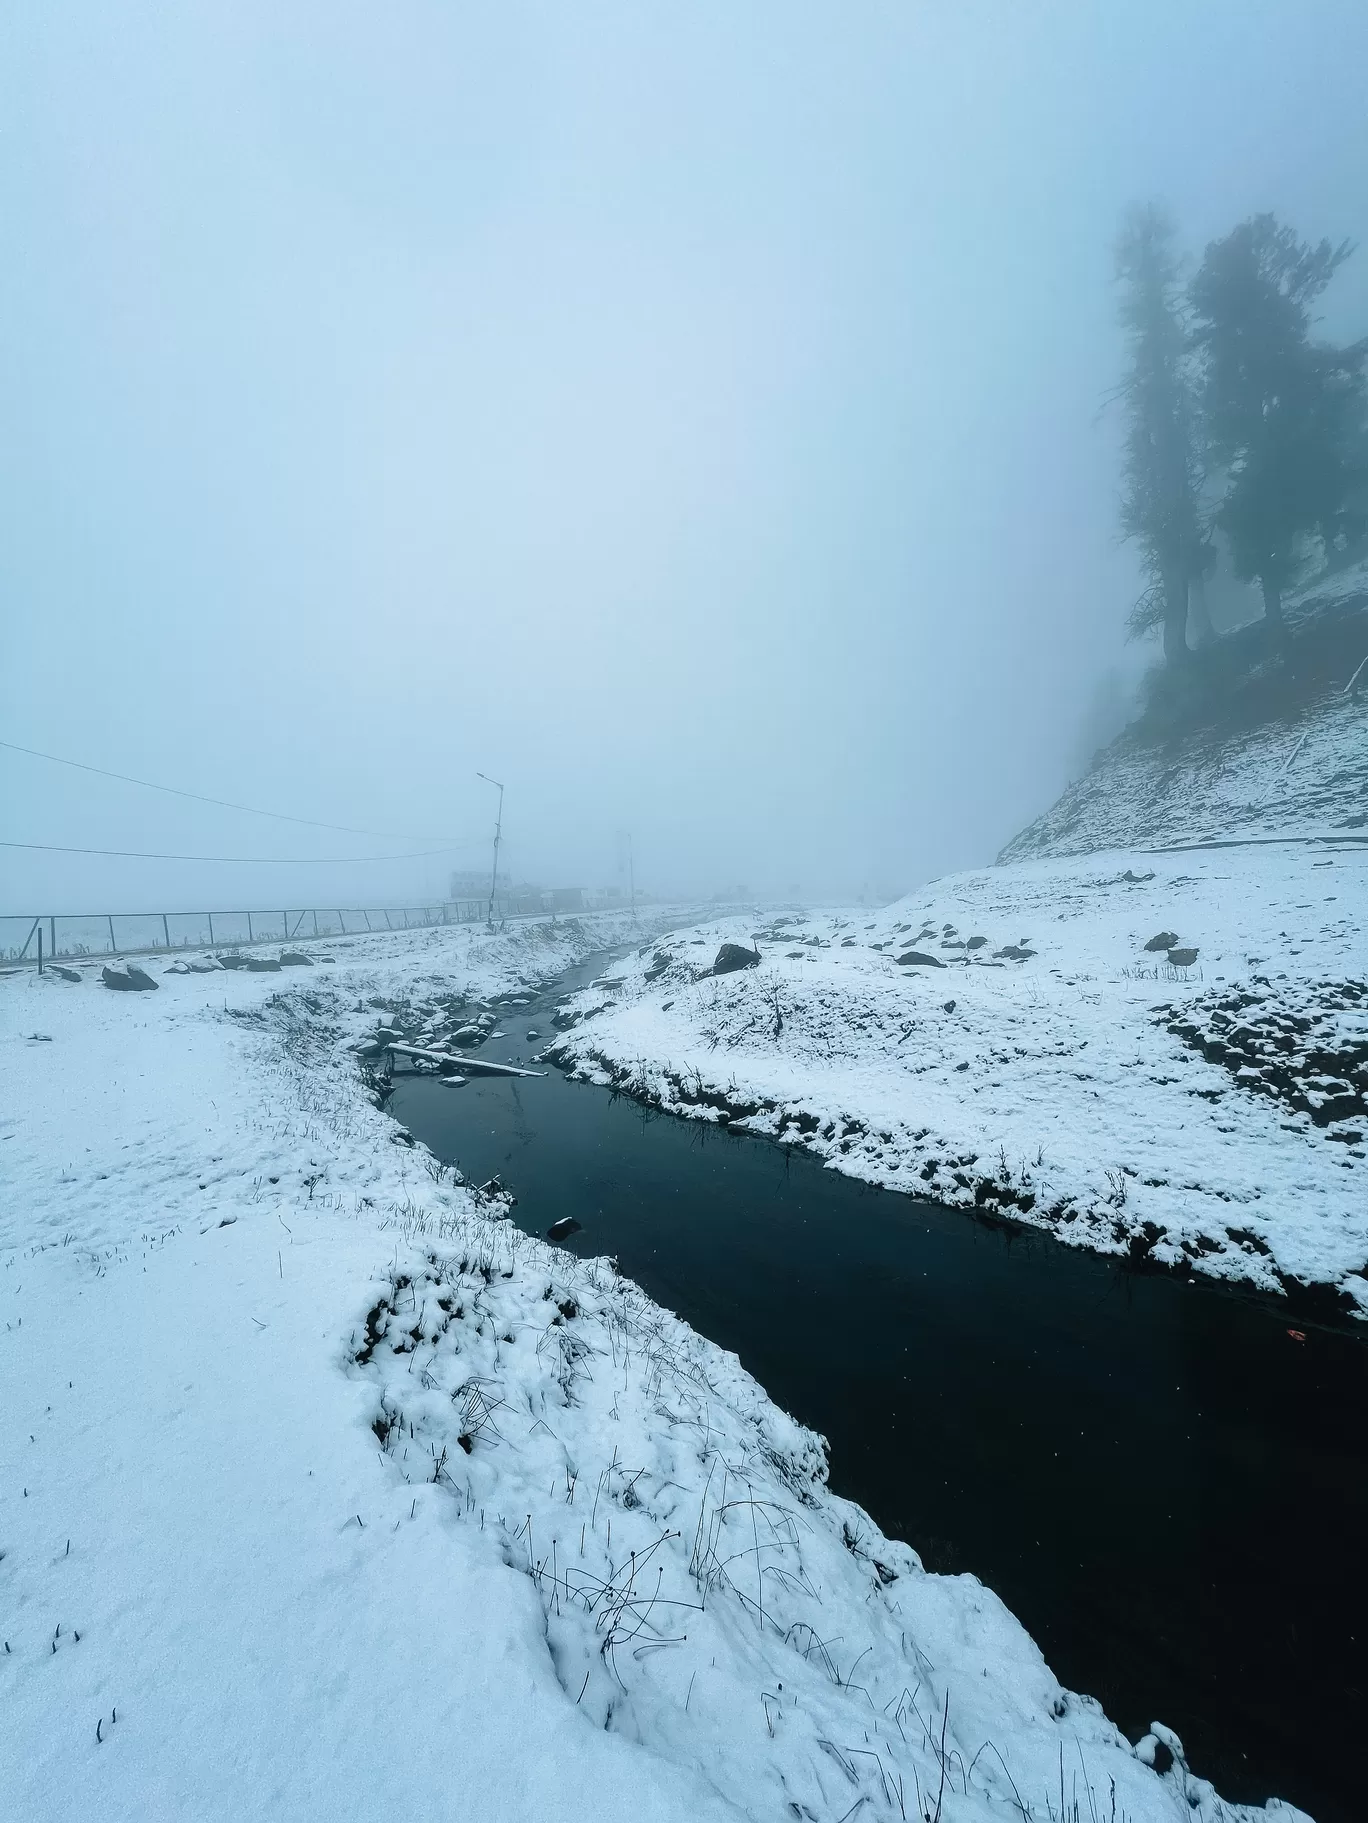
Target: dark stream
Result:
[[1168, 1490]]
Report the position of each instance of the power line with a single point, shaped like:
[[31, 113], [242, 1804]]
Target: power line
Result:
[[139, 854], [174, 791]]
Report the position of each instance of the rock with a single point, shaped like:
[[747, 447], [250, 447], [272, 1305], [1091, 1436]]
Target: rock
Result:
[[733, 956], [231, 961], [1015, 952], [533, 1035], [975, 942], [261, 965], [949, 1007], [468, 1034], [127, 980], [562, 1230], [1182, 958], [453, 1082], [295, 958], [918, 958], [67, 974], [1164, 939]]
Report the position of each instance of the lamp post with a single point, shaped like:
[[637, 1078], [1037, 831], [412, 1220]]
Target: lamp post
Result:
[[498, 832]]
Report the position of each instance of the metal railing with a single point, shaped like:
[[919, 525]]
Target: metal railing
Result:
[[72, 935]]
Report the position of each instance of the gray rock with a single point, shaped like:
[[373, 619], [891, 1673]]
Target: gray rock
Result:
[[918, 958], [733, 956], [976, 943], [127, 980], [263, 965], [1015, 952], [1182, 958], [295, 958], [1164, 939]]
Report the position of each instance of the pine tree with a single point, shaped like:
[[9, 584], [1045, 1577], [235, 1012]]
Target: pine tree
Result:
[[1283, 413], [1162, 468]]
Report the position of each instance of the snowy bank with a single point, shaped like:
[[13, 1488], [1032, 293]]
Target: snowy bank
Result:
[[326, 1492], [1041, 1063]]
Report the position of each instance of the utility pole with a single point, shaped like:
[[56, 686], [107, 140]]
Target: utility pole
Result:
[[498, 832]]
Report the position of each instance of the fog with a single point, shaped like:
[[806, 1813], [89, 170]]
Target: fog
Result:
[[692, 417]]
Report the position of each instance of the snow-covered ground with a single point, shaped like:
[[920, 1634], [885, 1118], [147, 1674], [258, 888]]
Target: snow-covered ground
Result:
[[326, 1493], [1209, 1117]]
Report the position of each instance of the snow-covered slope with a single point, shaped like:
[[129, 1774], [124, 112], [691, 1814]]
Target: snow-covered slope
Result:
[[1301, 771], [326, 1493]]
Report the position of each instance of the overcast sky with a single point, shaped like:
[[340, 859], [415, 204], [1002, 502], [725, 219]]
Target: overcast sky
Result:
[[687, 414]]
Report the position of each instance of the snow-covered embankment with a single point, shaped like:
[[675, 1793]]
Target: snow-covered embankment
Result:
[[1006, 1040]]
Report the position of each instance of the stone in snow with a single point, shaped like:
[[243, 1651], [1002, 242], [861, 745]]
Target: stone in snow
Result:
[[129, 979], [561, 1230], [733, 956], [295, 958], [1164, 939], [1182, 958], [918, 958]]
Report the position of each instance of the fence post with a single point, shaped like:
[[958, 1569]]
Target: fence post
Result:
[[315, 919], [40, 949], [211, 929], [52, 938], [286, 916], [166, 931], [113, 946], [342, 924], [250, 937]]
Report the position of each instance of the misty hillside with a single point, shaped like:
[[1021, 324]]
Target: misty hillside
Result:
[[1284, 752]]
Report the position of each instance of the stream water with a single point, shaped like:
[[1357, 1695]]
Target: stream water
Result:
[[1168, 1489]]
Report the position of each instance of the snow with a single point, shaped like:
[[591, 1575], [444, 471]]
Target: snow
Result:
[[247, 1563], [1210, 1119]]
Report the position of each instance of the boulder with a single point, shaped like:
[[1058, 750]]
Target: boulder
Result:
[[918, 958], [231, 961], [69, 974], [976, 943], [1015, 952], [562, 1230], [295, 958], [733, 956], [1182, 958], [1164, 939], [127, 980], [261, 965]]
